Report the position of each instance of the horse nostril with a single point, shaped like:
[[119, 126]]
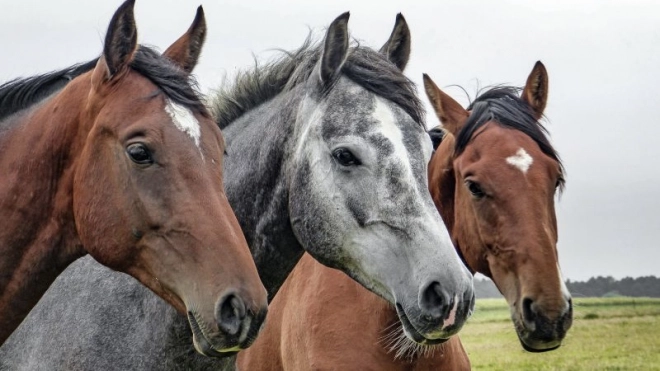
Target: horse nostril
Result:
[[528, 312], [433, 301], [230, 313]]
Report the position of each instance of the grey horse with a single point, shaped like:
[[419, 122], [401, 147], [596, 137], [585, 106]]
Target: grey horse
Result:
[[327, 153]]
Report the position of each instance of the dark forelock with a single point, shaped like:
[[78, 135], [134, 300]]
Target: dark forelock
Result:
[[502, 104]]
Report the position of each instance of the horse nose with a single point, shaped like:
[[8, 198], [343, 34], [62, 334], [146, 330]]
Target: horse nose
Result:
[[229, 313], [535, 320], [529, 314], [434, 303]]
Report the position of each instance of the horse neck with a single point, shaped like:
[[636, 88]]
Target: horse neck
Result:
[[442, 181], [442, 186], [38, 238], [259, 145]]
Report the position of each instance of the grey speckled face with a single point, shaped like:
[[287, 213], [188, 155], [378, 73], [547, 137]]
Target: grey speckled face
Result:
[[362, 205]]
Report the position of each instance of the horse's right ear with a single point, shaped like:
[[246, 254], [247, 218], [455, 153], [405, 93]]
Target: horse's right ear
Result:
[[120, 43], [450, 112], [186, 50], [335, 48], [397, 47], [436, 134]]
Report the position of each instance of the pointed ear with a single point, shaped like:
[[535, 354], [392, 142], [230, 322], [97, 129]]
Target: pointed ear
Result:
[[335, 49], [397, 48], [436, 134], [536, 89], [120, 40], [450, 112], [186, 50]]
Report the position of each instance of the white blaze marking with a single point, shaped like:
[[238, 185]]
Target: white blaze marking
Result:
[[184, 120], [562, 285], [443, 249], [522, 160], [384, 115]]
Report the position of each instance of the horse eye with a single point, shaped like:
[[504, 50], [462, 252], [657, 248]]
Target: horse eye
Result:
[[140, 154], [475, 189], [345, 157]]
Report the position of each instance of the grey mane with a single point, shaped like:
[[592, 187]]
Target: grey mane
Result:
[[364, 66]]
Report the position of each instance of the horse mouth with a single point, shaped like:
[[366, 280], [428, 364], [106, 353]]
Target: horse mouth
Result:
[[412, 332], [202, 343], [532, 342], [537, 350]]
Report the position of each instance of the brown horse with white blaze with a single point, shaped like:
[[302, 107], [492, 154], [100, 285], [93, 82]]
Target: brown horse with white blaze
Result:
[[125, 164], [495, 189], [494, 178]]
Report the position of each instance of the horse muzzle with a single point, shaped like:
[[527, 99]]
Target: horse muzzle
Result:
[[236, 327]]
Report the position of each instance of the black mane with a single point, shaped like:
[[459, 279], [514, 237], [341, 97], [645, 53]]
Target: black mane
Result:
[[503, 105], [19, 94], [364, 66], [180, 87], [173, 81]]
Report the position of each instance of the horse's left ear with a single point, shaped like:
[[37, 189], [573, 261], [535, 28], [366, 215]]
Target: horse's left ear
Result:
[[335, 48], [397, 47], [186, 50], [536, 89]]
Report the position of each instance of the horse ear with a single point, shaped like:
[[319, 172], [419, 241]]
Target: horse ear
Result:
[[450, 112], [335, 49], [397, 47], [436, 135], [536, 89], [120, 40], [186, 50]]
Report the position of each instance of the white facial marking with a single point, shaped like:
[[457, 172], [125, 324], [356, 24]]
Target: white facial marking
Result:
[[384, 115], [562, 284], [522, 160], [184, 120], [443, 247]]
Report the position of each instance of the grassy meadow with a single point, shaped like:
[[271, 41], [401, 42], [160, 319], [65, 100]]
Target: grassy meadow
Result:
[[607, 334]]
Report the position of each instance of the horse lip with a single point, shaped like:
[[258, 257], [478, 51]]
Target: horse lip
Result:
[[410, 330], [525, 336], [537, 350], [522, 334], [202, 343]]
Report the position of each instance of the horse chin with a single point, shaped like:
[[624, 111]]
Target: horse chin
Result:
[[412, 333], [530, 344], [203, 345], [539, 347]]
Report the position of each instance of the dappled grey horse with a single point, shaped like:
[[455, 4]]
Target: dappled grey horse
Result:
[[327, 153]]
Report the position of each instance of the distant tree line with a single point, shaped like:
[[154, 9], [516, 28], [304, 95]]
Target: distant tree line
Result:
[[648, 286]]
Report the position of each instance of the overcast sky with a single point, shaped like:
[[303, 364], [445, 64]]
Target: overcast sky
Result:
[[603, 58]]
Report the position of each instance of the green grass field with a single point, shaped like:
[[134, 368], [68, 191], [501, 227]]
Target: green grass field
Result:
[[607, 334]]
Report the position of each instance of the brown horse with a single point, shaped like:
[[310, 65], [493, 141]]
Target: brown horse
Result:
[[493, 178], [125, 163]]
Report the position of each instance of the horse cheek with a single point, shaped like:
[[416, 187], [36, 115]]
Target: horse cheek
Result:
[[99, 212]]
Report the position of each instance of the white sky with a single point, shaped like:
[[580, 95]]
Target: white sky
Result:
[[603, 58]]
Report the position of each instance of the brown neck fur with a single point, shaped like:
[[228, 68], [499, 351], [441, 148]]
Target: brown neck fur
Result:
[[38, 238]]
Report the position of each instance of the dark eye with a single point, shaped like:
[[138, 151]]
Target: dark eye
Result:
[[345, 157], [475, 189], [140, 154]]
